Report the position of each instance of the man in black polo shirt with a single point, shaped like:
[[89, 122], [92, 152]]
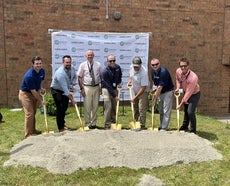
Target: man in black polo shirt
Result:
[[163, 92]]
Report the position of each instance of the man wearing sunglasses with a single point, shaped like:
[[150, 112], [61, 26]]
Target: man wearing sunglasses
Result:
[[188, 81], [163, 92], [111, 81]]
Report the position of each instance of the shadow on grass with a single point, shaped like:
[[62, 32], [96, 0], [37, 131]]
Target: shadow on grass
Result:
[[203, 134], [4, 153], [207, 135]]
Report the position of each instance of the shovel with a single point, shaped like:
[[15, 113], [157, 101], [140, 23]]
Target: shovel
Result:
[[117, 126], [177, 95], [82, 128], [134, 124], [152, 127], [45, 115]]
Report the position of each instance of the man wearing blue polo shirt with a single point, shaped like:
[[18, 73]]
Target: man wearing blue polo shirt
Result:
[[164, 92], [29, 94]]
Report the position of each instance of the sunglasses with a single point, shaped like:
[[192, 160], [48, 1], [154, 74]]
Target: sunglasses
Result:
[[154, 65], [183, 66], [112, 61]]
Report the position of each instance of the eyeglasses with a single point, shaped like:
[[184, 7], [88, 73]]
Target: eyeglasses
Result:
[[154, 65], [112, 61], [183, 66]]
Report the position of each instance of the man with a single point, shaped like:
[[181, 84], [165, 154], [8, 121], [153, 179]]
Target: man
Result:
[[61, 87], [188, 81], [89, 78], [163, 93], [29, 94], [111, 80], [138, 79]]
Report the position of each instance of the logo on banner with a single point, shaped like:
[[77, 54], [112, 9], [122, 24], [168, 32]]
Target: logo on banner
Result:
[[56, 56], [73, 35], [56, 42], [73, 49], [121, 57]]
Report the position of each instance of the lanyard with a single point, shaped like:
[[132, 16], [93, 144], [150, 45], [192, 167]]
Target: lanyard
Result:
[[90, 67]]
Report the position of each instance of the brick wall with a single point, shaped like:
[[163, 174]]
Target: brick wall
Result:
[[196, 29]]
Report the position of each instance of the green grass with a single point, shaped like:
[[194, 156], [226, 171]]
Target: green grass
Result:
[[205, 173]]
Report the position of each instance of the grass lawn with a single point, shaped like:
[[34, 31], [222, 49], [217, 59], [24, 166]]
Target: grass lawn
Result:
[[206, 173]]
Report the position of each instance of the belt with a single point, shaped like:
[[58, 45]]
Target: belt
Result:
[[166, 91], [56, 90], [92, 85]]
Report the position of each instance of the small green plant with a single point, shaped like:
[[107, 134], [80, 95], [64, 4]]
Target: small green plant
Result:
[[50, 105], [156, 110]]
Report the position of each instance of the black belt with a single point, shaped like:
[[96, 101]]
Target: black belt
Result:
[[166, 91], [92, 85], [53, 90]]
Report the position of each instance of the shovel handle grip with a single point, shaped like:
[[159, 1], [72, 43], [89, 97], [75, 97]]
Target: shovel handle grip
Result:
[[177, 94]]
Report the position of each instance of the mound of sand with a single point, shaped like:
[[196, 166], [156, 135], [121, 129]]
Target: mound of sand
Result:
[[70, 151]]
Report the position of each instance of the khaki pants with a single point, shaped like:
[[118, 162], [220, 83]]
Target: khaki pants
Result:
[[29, 104], [91, 102], [110, 108], [140, 108]]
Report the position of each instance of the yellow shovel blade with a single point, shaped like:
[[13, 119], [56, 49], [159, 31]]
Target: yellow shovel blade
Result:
[[135, 125], [48, 132], [116, 126], [86, 128], [83, 129], [154, 129]]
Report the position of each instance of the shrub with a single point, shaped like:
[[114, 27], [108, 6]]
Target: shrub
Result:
[[50, 105]]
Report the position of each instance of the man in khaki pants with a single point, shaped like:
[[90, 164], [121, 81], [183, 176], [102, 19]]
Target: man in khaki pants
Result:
[[29, 94], [89, 78], [138, 79]]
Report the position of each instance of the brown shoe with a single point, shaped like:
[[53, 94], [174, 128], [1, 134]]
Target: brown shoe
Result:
[[64, 129]]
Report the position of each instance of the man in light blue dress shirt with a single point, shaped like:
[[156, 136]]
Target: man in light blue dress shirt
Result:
[[61, 87]]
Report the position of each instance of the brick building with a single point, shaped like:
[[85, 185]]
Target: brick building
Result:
[[196, 29]]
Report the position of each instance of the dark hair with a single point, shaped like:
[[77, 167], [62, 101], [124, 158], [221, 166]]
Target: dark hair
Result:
[[184, 59], [36, 58], [66, 56]]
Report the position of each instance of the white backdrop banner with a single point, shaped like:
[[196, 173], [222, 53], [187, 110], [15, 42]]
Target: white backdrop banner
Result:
[[125, 46]]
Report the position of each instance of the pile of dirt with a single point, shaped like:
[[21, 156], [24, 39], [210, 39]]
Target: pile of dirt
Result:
[[70, 151]]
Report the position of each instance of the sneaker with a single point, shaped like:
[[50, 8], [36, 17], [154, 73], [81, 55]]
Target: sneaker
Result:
[[92, 126]]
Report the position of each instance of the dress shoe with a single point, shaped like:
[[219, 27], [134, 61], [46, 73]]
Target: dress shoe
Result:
[[64, 129], [37, 132], [183, 127]]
